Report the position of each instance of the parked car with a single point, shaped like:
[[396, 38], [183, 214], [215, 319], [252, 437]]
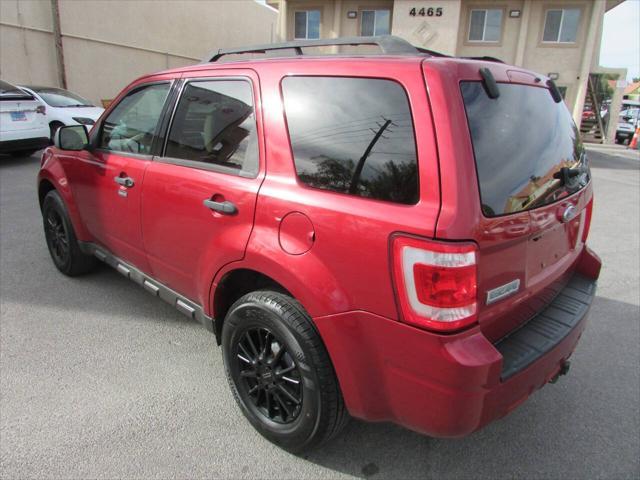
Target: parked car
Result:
[[23, 129], [64, 107], [388, 237], [627, 121]]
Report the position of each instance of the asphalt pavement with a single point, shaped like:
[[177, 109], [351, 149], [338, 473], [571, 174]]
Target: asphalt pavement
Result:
[[98, 379]]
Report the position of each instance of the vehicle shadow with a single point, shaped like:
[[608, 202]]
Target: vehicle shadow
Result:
[[7, 160], [552, 435]]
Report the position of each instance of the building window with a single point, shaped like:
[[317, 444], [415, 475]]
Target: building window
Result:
[[307, 25], [561, 25], [485, 25], [375, 22]]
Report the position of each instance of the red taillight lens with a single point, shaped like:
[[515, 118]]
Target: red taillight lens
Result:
[[41, 109], [436, 282], [445, 287]]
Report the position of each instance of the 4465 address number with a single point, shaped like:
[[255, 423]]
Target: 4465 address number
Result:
[[426, 12]]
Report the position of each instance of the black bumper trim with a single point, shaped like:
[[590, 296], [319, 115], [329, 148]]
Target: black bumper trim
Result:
[[37, 143], [547, 329]]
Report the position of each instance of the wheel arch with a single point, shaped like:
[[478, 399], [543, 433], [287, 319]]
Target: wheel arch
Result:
[[52, 178], [233, 284]]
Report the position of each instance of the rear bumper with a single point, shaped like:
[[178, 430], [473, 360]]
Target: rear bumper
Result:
[[452, 385], [35, 143]]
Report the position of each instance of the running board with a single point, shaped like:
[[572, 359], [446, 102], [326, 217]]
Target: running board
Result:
[[182, 304]]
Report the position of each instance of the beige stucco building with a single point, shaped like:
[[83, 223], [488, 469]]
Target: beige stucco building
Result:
[[560, 38], [108, 43]]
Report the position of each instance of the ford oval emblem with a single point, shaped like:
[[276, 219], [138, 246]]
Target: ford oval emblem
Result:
[[569, 213]]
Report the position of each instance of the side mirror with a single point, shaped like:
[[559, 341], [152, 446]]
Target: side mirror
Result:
[[72, 137]]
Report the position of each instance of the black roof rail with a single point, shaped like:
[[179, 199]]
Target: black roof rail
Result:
[[388, 44]]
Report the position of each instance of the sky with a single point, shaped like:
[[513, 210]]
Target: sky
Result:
[[621, 38]]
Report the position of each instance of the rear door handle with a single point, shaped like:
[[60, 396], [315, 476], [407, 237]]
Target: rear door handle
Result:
[[124, 181], [226, 207]]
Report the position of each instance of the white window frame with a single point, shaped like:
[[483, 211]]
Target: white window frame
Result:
[[375, 14], [484, 26], [306, 14], [559, 36]]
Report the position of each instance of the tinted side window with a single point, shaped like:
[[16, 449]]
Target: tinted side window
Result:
[[353, 135], [215, 124], [131, 125]]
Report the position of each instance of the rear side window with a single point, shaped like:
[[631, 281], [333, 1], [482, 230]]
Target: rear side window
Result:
[[521, 141], [352, 135], [215, 125]]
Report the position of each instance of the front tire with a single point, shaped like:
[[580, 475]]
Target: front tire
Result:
[[61, 239], [280, 372]]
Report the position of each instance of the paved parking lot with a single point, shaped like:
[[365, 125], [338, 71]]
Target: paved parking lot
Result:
[[99, 379]]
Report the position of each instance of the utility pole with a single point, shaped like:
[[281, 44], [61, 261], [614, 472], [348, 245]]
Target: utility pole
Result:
[[355, 180], [57, 41]]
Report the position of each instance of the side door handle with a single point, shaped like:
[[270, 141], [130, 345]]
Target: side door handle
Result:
[[226, 207], [124, 181]]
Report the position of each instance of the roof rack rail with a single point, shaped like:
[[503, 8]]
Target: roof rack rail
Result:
[[388, 44]]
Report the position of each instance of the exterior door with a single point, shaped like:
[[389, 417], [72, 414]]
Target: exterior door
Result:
[[199, 197], [107, 181]]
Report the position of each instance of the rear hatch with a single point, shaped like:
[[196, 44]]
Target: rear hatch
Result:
[[18, 109], [529, 207]]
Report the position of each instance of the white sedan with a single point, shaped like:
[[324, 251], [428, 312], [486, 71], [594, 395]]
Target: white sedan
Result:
[[64, 107], [23, 129]]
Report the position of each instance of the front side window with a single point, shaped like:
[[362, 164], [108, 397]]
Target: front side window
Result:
[[561, 25], [485, 25], [375, 22], [353, 136], [307, 25], [131, 125], [215, 125]]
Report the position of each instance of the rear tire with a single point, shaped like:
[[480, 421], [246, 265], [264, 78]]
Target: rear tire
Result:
[[61, 239], [53, 128], [280, 373]]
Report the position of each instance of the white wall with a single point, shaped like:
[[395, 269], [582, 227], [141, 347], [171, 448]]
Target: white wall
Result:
[[107, 44]]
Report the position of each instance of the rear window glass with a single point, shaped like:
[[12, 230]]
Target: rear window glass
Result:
[[521, 141], [352, 135], [10, 92]]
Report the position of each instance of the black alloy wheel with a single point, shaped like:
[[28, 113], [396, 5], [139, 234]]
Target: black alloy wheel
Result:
[[271, 380], [57, 237], [62, 243], [280, 372]]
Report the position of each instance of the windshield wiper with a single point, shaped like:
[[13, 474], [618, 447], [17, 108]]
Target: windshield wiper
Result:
[[568, 175]]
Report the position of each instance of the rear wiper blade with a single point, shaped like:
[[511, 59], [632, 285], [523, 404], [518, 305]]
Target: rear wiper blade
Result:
[[567, 175]]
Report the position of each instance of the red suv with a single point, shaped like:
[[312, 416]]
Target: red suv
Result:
[[395, 237]]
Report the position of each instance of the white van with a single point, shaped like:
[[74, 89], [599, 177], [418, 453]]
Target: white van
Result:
[[627, 121]]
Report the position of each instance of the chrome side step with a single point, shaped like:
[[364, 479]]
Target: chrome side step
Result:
[[182, 304]]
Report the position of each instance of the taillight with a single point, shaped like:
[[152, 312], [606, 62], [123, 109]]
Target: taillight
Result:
[[41, 109], [436, 282]]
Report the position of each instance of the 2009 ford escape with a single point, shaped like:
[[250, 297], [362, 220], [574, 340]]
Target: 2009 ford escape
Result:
[[399, 236]]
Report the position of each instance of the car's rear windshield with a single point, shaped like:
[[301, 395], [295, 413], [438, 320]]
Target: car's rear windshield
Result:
[[9, 92], [521, 141]]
